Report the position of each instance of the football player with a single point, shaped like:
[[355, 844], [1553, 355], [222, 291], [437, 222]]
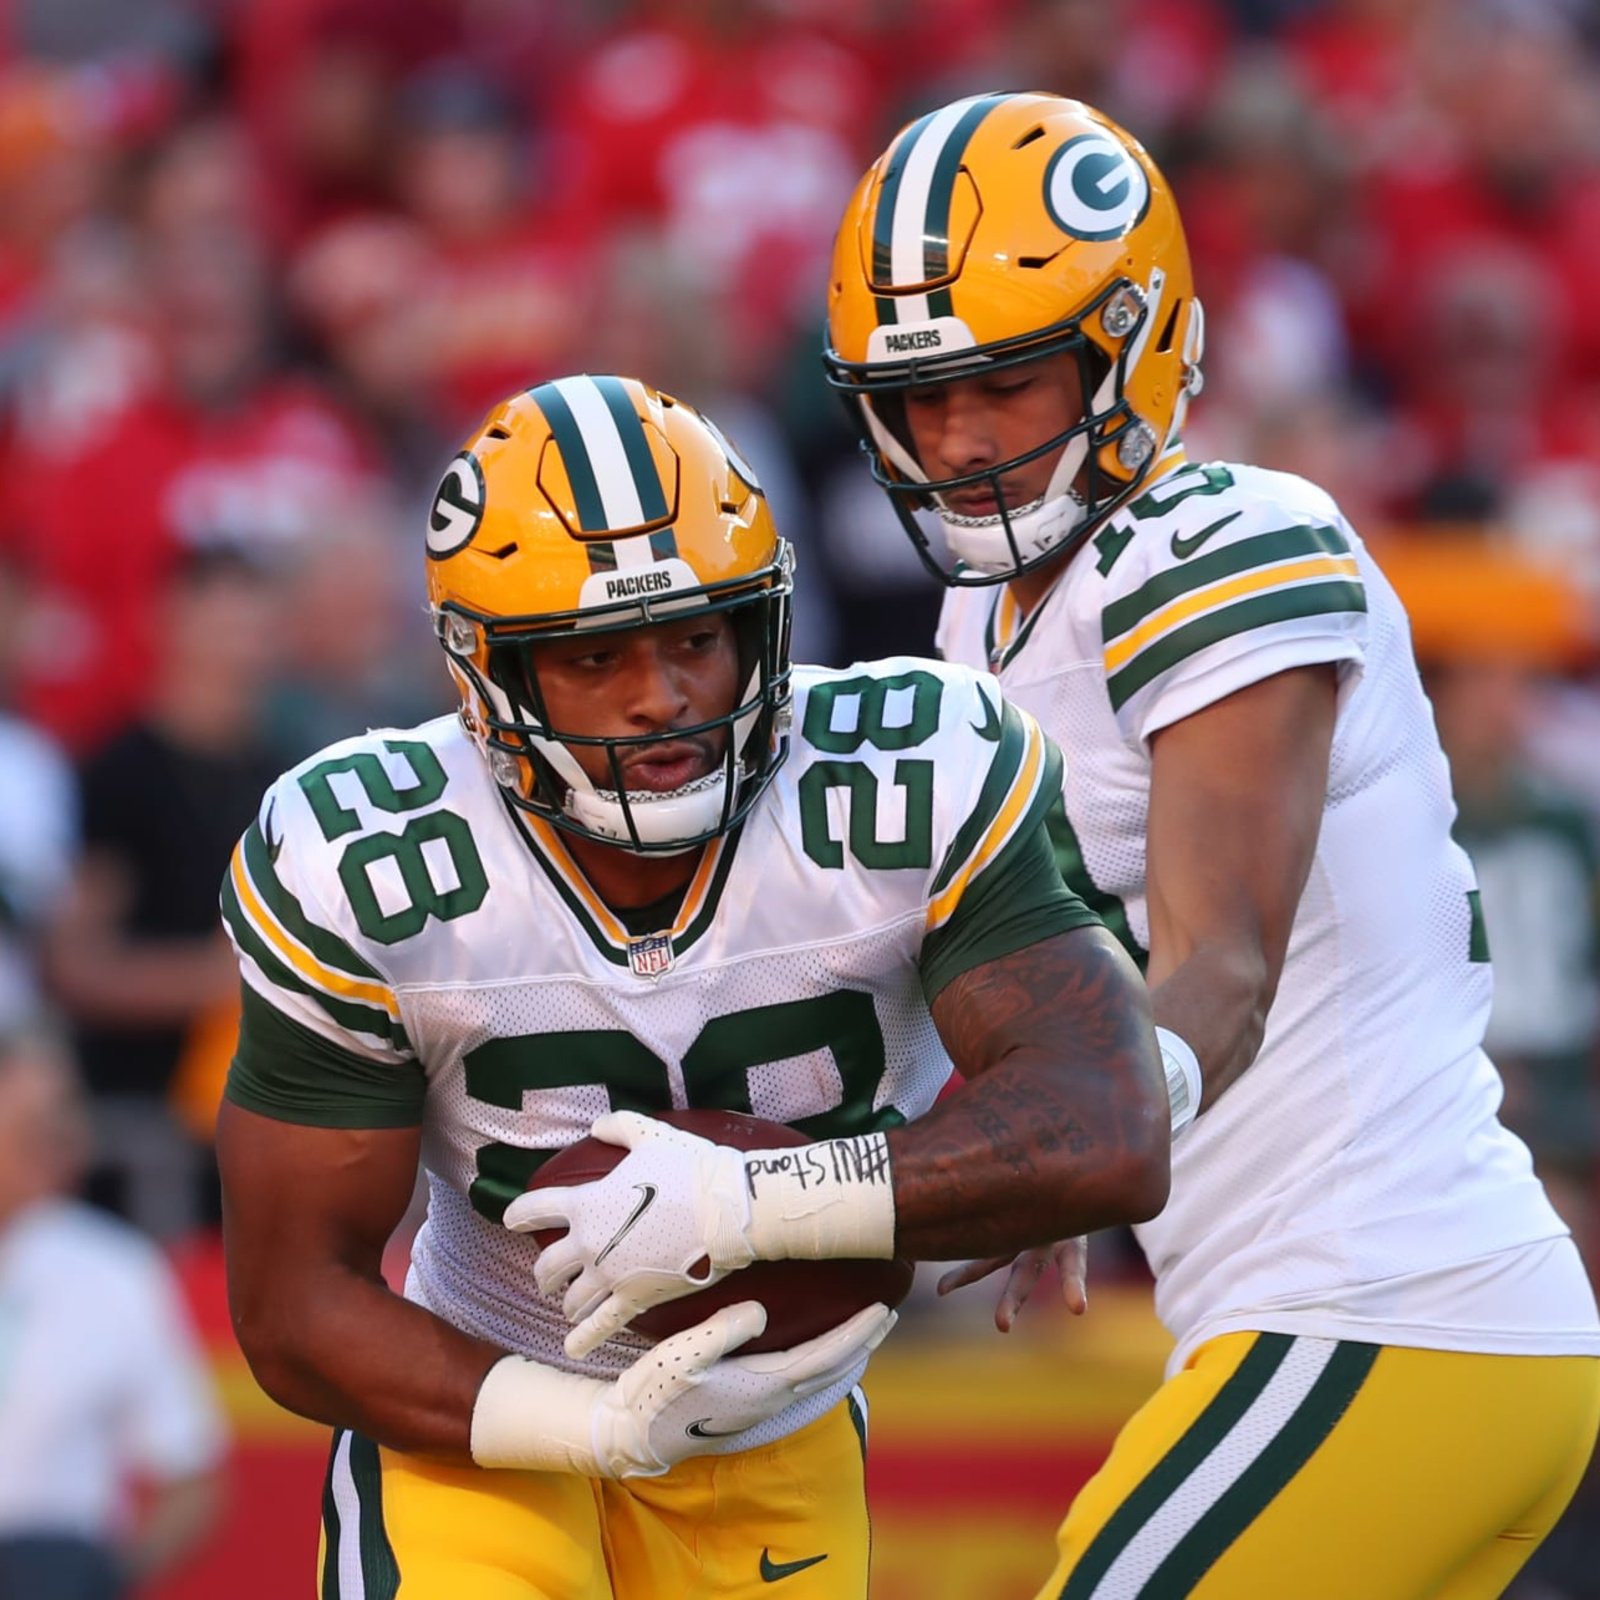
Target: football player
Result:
[[650, 864], [1385, 1379]]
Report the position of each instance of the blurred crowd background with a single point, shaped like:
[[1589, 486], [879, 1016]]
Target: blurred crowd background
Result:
[[263, 264]]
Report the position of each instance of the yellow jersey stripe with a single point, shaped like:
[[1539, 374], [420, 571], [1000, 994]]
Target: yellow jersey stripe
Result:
[[295, 954], [1015, 808], [1180, 610]]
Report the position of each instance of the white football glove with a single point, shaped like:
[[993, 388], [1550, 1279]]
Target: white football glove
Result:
[[636, 1236], [678, 1213], [688, 1396]]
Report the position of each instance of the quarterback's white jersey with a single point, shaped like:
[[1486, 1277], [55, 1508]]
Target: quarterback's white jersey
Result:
[[417, 953], [1362, 1146]]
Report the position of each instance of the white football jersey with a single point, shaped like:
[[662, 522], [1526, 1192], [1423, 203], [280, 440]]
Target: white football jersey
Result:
[[416, 952], [1362, 1146]]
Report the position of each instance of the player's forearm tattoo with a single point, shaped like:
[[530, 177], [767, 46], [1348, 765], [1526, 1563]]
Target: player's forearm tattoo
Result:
[[1056, 1037]]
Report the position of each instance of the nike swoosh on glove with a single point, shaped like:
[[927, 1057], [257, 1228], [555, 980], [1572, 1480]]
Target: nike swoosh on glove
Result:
[[665, 1409], [668, 1219]]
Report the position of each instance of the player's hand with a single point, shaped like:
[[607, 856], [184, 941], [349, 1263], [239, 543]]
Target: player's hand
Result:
[[1070, 1258], [667, 1220], [690, 1395]]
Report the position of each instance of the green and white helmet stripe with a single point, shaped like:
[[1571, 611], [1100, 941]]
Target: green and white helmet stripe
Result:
[[911, 232], [616, 484]]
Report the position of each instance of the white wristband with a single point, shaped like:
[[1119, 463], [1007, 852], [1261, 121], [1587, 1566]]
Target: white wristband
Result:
[[832, 1198], [1183, 1078], [532, 1416]]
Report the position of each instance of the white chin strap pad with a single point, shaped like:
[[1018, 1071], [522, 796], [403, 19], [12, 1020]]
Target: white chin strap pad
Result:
[[658, 818]]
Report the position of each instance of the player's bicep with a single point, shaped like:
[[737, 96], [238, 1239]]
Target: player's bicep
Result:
[[1074, 999], [1236, 802], [298, 1198]]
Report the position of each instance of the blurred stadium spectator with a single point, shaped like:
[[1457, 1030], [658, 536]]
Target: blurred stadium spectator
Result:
[[38, 821], [1537, 856], [135, 956], [111, 1442]]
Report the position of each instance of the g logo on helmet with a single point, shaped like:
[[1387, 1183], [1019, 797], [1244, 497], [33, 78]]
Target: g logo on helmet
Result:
[[1094, 189], [457, 507]]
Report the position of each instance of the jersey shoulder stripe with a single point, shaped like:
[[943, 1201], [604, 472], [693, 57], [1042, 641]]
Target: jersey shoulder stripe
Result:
[[285, 966], [1023, 779], [256, 867], [1280, 576]]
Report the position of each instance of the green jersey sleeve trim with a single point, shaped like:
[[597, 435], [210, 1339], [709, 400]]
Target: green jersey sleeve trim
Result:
[[285, 1071], [1025, 764], [259, 861], [374, 1022], [1018, 900], [1281, 605], [1264, 549]]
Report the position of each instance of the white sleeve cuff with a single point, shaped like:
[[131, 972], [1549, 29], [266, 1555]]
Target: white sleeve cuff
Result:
[[1184, 1083]]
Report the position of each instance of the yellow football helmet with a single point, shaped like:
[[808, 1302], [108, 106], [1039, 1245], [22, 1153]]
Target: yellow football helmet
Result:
[[597, 504], [994, 231]]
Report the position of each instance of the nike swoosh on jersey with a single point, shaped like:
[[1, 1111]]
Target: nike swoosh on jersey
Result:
[[772, 1571], [1183, 548], [989, 728], [647, 1198]]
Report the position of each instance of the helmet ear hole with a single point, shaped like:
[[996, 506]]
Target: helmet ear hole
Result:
[[1164, 344]]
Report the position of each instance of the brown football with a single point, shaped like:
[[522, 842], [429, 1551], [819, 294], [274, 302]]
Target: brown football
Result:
[[803, 1298]]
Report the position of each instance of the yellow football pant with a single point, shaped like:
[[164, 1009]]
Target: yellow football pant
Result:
[[791, 1514], [1279, 1468]]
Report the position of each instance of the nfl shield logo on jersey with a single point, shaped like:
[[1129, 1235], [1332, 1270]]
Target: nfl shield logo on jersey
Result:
[[650, 957]]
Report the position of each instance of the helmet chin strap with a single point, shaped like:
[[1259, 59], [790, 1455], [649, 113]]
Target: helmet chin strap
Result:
[[1001, 544], [660, 818], [998, 543]]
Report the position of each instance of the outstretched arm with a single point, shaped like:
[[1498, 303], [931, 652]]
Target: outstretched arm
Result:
[[1236, 801]]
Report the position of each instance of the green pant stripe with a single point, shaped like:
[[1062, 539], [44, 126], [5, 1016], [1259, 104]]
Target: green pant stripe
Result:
[[1269, 1474], [329, 1587], [379, 1569], [1208, 1430]]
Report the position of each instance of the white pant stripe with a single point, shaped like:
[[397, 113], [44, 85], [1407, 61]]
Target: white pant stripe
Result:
[[1238, 1449], [347, 1506]]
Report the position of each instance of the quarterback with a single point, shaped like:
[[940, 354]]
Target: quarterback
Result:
[[1386, 1373], [1385, 1380], [650, 864]]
